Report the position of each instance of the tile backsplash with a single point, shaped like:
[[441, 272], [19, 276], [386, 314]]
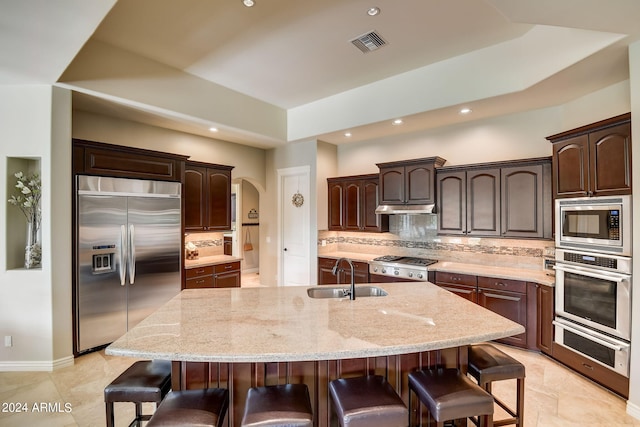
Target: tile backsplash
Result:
[[416, 235], [208, 244]]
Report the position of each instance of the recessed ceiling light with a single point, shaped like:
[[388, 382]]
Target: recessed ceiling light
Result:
[[373, 11], [347, 134], [248, 3], [465, 110], [212, 129], [397, 122]]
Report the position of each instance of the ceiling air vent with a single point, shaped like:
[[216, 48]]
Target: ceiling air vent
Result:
[[368, 42]]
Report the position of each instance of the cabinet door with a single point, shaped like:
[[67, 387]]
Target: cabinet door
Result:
[[336, 216], [464, 285], [325, 273], [361, 273], [571, 167], [419, 184], [511, 305], [194, 198], [219, 199], [230, 279], [392, 185], [483, 202], [352, 200], [452, 202], [369, 203], [610, 161], [522, 201], [545, 312], [467, 292]]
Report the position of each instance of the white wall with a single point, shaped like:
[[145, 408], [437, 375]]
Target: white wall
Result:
[[633, 405], [516, 136], [35, 305], [299, 154], [249, 162]]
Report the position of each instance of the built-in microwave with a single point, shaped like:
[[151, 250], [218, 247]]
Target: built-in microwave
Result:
[[597, 224]]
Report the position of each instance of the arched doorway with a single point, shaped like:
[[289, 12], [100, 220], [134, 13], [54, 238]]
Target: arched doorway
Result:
[[247, 230]]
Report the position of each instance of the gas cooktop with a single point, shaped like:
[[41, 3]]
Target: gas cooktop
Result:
[[405, 260]]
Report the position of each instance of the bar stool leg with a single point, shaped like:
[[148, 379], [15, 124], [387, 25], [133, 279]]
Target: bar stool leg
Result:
[[110, 415]]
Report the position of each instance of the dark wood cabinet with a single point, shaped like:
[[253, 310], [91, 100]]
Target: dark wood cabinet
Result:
[[226, 275], [544, 317], [352, 202], [507, 298], [207, 197], [96, 158], [326, 276], [526, 201], [469, 201], [464, 285], [508, 199], [228, 245], [409, 182], [199, 277], [593, 160]]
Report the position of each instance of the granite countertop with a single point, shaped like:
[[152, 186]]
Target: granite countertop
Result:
[[529, 275], [209, 260], [279, 324]]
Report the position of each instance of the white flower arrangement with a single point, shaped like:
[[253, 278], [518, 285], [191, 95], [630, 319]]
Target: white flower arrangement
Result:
[[28, 197]]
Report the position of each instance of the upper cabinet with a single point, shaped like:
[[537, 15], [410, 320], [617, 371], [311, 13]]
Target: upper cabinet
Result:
[[508, 199], [207, 197], [352, 204], [593, 160], [469, 201], [96, 158], [409, 182]]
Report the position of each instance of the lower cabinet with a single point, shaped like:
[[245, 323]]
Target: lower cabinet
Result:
[[528, 304], [326, 276], [508, 298], [225, 275]]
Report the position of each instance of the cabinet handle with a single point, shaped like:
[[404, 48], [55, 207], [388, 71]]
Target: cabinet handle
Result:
[[501, 284], [227, 267], [588, 366], [200, 281]]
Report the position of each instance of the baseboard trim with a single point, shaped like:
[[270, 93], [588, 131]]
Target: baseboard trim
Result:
[[633, 410], [37, 365]]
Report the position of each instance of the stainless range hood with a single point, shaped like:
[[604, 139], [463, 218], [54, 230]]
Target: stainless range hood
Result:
[[405, 209]]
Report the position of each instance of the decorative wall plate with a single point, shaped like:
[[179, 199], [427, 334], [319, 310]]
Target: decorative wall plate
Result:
[[297, 200]]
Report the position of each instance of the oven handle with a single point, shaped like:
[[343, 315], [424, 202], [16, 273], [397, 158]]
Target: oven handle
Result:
[[606, 343], [590, 273]]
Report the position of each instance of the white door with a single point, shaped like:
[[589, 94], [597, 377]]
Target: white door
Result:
[[294, 226]]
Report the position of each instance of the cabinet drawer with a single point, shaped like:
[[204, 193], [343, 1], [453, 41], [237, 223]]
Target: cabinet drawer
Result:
[[502, 284], [230, 266], [455, 278], [199, 271], [199, 282]]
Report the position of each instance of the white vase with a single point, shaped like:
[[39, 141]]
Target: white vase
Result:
[[33, 248]]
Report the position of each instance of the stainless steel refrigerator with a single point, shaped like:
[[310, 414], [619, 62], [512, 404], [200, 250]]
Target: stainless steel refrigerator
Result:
[[128, 254]]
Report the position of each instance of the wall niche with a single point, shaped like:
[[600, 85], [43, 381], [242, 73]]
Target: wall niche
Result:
[[16, 221]]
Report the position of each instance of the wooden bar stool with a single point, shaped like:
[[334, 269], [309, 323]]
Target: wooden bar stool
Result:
[[202, 408], [488, 364], [279, 405], [368, 401], [144, 381], [449, 395]]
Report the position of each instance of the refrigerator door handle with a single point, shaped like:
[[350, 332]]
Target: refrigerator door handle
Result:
[[132, 255], [123, 254]]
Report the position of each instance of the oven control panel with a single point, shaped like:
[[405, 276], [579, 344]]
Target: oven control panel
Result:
[[591, 260]]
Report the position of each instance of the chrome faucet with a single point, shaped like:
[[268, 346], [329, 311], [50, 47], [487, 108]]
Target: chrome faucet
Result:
[[336, 269]]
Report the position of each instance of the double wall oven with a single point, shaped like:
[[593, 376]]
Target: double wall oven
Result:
[[593, 279]]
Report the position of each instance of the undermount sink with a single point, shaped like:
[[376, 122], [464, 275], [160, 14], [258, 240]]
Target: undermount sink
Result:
[[343, 292]]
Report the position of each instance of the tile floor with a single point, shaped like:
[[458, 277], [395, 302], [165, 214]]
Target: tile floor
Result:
[[554, 397]]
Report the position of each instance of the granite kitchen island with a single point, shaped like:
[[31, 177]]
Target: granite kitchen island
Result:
[[242, 337]]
